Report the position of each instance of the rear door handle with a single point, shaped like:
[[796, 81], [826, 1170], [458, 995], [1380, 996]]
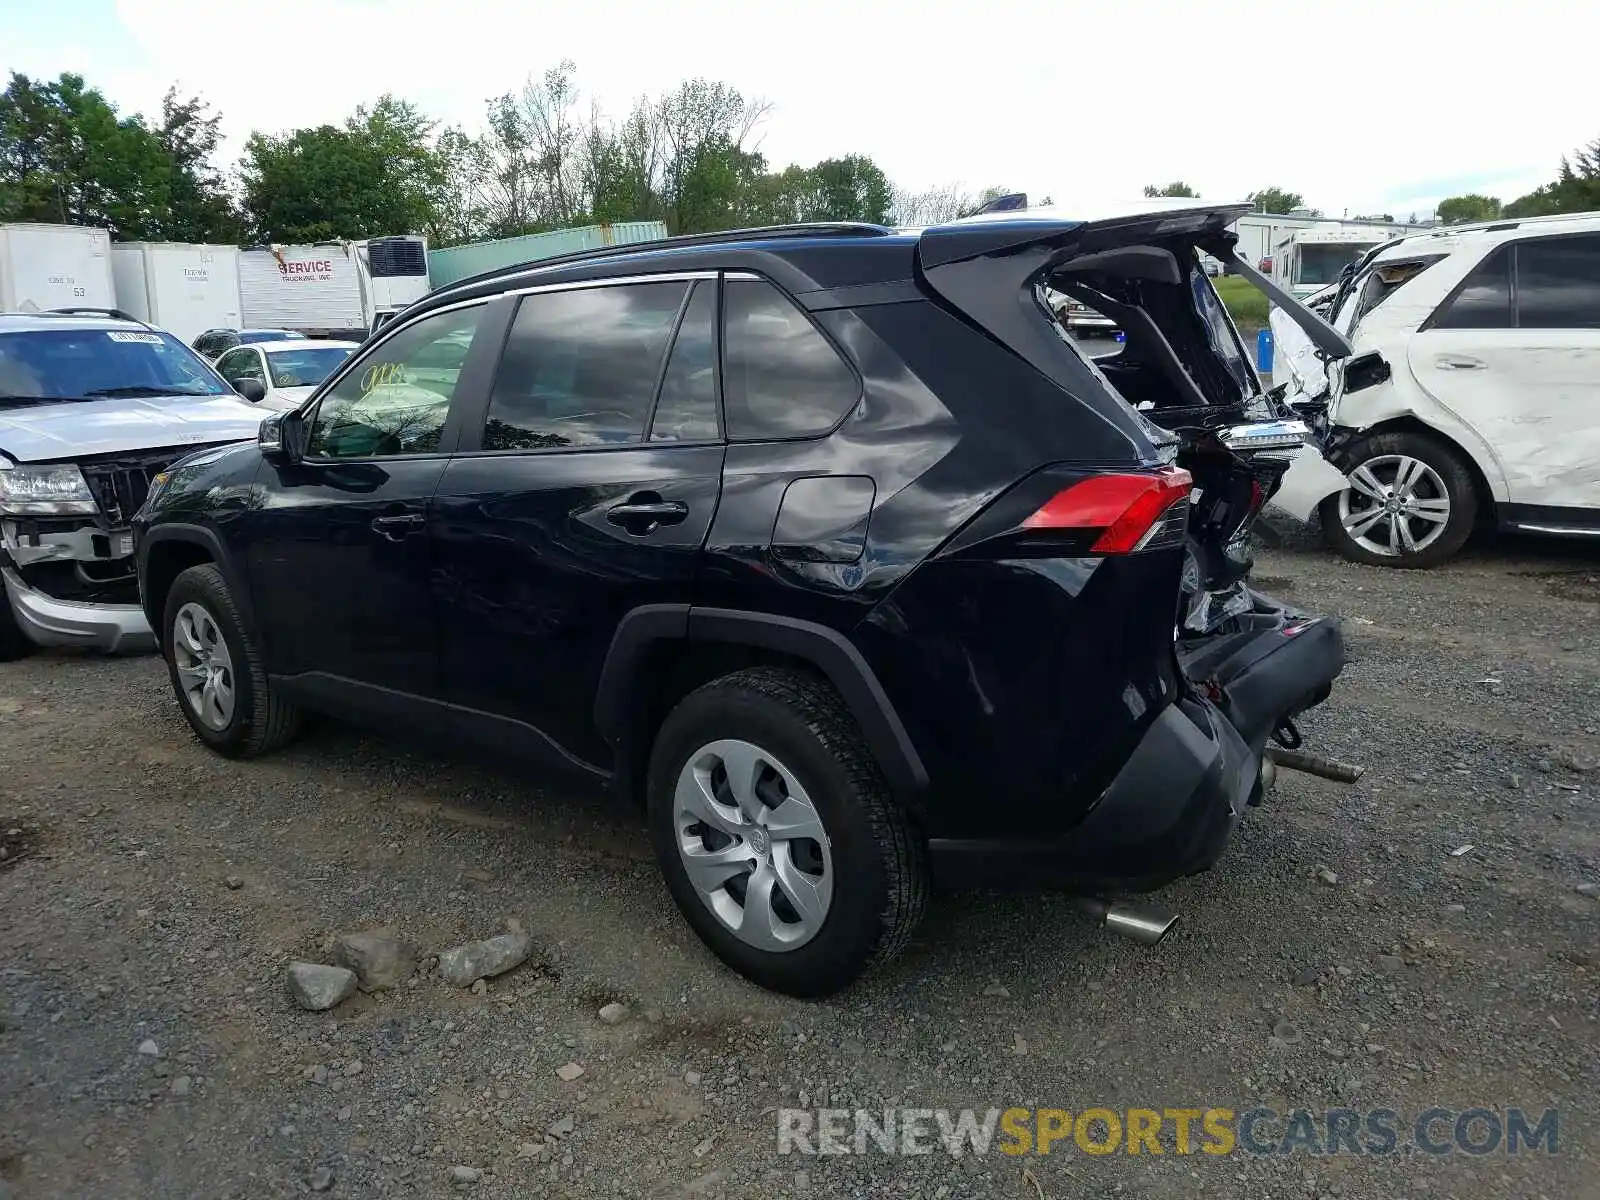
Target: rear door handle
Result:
[[1457, 362], [398, 525], [646, 514]]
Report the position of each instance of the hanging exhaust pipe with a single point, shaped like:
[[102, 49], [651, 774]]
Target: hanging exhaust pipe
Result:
[[1147, 926]]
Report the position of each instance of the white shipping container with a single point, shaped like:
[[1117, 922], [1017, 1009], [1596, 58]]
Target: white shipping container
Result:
[[54, 266], [314, 289], [183, 288]]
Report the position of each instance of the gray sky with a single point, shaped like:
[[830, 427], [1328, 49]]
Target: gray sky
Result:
[[1358, 104]]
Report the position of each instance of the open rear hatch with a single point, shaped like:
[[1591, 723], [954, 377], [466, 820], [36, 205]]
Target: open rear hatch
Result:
[[1185, 378]]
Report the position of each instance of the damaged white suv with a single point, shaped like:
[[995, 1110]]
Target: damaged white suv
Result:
[[1473, 396], [91, 407]]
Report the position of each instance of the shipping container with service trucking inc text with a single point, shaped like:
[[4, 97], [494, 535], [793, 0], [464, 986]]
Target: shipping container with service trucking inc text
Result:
[[331, 289], [54, 266], [183, 288]]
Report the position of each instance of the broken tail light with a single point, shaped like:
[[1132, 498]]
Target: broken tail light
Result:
[[1128, 512]]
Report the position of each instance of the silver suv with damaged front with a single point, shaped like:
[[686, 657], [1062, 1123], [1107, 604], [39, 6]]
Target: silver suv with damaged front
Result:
[[92, 408]]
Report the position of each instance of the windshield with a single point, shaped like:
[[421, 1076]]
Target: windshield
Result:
[[304, 368], [74, 363], [1321, 262]]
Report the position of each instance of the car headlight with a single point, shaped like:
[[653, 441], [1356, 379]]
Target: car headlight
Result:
[[50, 490]]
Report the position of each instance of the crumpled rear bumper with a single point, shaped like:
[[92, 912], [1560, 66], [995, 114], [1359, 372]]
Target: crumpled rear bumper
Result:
[[47, 621]]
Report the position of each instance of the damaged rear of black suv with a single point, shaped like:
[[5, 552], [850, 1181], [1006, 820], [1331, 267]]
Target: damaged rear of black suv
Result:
[[826, 544]]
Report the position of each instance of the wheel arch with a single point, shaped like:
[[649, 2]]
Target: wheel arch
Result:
[[662, 652], [166, 551], [1408, 423]]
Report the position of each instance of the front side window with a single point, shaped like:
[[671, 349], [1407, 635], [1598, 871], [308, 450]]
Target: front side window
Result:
[[395, 400], [78, 363], [304, 368], [580, 367], [781, 377], [1558, 283], [1484, 298], [242, 363]]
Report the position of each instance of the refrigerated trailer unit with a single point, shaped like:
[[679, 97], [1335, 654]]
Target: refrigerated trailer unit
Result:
[[314, 289], [183, 288], [54, 266], [332, 289]]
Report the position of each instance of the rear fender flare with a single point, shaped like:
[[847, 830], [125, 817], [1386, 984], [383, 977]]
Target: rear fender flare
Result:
[[828, 650]]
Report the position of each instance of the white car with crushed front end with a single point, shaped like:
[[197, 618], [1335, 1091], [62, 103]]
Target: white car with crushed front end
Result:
[[1473, 393]]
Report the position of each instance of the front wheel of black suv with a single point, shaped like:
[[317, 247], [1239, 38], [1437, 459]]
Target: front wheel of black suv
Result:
[[777, 835], [217, 672]]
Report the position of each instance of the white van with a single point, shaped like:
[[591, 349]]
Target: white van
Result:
[[1474, 391]]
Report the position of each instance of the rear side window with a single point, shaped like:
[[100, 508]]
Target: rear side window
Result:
[[1558, 283], [580, 367], [781, 377], [1484, 299], [686, 410]]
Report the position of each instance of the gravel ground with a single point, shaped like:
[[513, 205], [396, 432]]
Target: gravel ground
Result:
[[152, 896]]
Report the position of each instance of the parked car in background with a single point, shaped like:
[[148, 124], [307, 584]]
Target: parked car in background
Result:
[[813, 541], [1077, 316], [1472, 393], [279, 375], [90, 408], [213, 343]]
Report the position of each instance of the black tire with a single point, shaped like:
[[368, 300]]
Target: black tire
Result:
[[262, 720], [14, 644], [879, 861], [1460, 486]]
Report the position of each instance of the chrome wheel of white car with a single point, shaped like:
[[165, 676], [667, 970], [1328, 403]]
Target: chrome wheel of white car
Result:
[[204, 666], [1410, 500], [1394, 505], [753, 845]]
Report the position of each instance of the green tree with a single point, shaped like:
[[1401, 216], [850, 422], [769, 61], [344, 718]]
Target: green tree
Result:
[[1275, 200], [67, 157], [1575, 189], [1176, 188], [198, 207], [853, 188], [1459, 210], [377, 174]]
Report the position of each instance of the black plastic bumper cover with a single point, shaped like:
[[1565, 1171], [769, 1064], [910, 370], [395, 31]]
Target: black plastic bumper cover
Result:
[[1167, 814]]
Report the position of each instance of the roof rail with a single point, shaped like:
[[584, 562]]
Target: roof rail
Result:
[[87, 311], [752, 234]]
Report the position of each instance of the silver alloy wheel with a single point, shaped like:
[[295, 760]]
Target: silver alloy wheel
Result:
[[753, 845], [205, 668], [1400, 497]]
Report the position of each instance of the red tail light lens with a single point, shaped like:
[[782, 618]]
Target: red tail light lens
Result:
[[1128, 509]]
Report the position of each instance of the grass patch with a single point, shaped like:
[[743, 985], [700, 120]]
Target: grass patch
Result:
[[1247, 306]]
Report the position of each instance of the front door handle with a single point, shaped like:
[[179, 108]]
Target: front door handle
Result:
[[645, 513], [1458, 362], [398, 525]]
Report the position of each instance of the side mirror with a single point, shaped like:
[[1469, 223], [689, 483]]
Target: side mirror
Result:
[[280, 437], [252, 390]]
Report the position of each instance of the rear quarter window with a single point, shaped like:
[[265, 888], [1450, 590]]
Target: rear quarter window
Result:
[[781, 377], [1558, 283]]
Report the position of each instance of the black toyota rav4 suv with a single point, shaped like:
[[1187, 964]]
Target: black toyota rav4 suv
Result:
[[824, 544]]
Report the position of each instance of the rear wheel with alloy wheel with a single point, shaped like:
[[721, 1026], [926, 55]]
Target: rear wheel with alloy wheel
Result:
[[777, 835], [1408, 501]]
